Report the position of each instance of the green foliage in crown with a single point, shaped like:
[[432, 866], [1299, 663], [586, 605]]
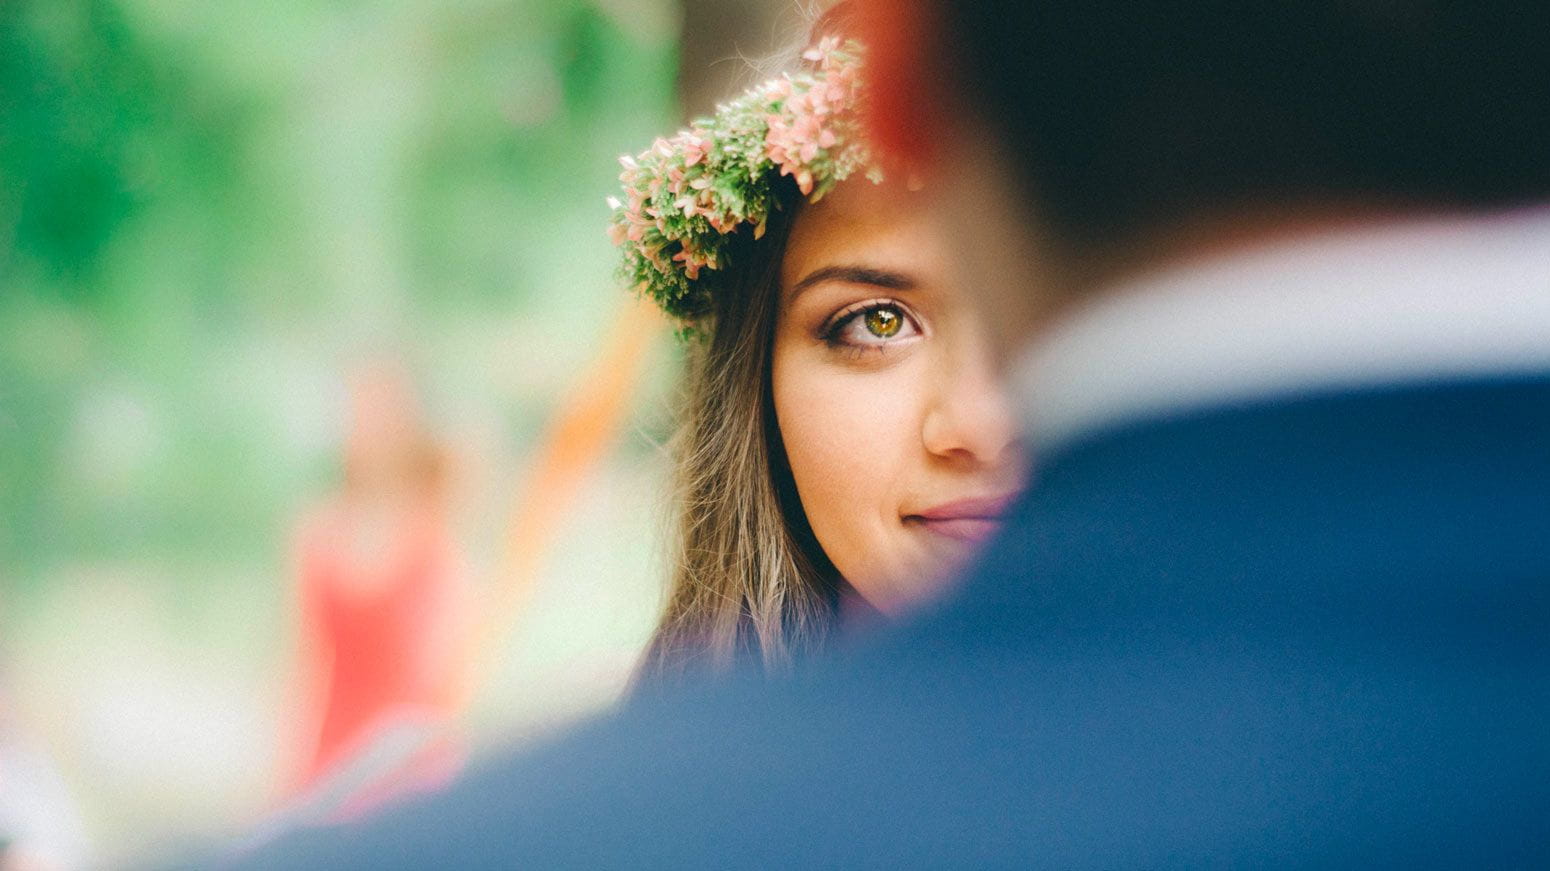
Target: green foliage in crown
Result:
[[686, 196]]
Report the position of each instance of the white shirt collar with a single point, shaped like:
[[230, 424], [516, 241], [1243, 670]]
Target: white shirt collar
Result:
[[1422, 300]]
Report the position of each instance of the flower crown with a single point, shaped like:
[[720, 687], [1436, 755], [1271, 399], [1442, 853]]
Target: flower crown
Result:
[[686, 196]]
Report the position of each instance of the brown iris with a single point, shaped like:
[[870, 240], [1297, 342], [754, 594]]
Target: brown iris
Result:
[[884, 322]]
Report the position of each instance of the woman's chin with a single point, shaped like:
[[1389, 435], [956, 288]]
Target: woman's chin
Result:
[[951, 545], [932, 575]]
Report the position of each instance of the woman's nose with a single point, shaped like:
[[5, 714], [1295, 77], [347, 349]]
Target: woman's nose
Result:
[[970, 418]]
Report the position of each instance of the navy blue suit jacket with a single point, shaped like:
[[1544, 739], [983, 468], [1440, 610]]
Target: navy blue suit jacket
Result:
[[1310, 633]]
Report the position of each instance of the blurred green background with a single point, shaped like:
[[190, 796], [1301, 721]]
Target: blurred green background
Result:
[[210, 213]]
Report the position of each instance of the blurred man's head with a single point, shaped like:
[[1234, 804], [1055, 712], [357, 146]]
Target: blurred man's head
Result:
[[1133, 130]]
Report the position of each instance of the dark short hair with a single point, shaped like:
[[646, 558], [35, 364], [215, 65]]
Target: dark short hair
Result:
[[1127, 115]]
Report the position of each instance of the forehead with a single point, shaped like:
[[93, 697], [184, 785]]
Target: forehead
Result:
[[864, 224]]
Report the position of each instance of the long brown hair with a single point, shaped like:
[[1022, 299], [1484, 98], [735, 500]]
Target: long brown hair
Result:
[[748, 578]]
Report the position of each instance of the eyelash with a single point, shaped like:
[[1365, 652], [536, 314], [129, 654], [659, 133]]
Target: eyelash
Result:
[[833, 330]]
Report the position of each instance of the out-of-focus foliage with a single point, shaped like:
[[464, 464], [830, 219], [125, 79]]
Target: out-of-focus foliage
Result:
[[210, 210], [182, 182]]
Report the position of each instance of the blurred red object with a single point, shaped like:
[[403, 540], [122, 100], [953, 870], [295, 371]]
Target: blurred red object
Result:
[[380, 596]]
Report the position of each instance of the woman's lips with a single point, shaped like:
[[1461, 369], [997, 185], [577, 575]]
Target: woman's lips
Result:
[[971, 520], [970, 529]]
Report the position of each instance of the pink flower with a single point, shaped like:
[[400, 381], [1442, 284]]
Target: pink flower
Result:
[[695, 147], [654, 256], [631, 170], [691, 263], [822, 50]]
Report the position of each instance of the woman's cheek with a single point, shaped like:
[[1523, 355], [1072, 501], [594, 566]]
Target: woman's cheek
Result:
[[846, 433]]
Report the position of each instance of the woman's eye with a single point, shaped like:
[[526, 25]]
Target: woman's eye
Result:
[[872, 324]]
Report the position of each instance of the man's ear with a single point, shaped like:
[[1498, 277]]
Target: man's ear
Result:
[[906, 77]]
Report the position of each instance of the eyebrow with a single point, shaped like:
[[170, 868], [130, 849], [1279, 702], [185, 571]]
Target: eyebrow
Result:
[[884, 278]]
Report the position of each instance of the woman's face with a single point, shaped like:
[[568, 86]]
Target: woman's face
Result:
[[899, 434]]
